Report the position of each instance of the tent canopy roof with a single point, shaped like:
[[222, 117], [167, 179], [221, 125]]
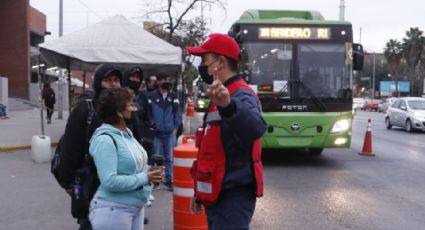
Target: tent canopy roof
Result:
[[114, 40]]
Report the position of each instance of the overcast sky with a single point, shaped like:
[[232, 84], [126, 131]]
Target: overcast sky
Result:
[[380, 20]]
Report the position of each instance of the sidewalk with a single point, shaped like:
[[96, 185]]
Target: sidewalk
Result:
[[17, 131]]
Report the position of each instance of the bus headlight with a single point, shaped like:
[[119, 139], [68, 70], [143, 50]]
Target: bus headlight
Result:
[[341, 126], [201, 104], [340, 141]]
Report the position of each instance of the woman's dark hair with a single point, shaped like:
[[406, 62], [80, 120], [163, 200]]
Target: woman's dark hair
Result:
[[112, 101], [46, 89]]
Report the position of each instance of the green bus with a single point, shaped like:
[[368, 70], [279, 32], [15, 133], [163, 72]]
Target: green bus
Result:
[[301, 67]]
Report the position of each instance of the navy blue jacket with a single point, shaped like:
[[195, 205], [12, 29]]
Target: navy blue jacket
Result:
[[242, 123], [164, 115]]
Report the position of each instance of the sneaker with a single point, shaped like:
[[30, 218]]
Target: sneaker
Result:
[[151, 198], [148, 203], [145, 221], [155, 187], [169, 186]]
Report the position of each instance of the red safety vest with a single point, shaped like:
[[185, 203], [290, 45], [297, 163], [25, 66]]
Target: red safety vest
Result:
[[210, 167]]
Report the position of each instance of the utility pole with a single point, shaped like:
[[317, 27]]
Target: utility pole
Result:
[[60, 80], [360, 36], [342, 10], [202, 10], [373, 77]]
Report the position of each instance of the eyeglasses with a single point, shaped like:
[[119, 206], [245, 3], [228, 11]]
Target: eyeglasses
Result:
[[132, 105]]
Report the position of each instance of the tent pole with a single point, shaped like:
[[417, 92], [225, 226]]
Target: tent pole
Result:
[[84, 82], [68, 67]]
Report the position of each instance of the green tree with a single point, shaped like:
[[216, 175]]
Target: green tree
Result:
[[422, 72], [412, 48], [393, 53]]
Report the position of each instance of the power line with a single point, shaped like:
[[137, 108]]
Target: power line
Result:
[[88, 8]]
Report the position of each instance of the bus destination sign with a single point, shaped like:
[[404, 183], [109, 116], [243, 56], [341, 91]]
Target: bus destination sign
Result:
[[309, 33]]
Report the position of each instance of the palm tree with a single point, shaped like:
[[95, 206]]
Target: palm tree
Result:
[[422, 72], [412, 49], [393, 53]]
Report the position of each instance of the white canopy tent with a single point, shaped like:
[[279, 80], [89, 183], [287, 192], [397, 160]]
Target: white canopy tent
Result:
[[114, 40]]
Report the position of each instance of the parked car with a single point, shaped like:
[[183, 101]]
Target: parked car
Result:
[[371, 105], [387, 102], [358, 103], [408, 112]]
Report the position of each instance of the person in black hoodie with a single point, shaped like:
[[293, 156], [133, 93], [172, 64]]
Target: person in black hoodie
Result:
[[74, 143], [133, 78]]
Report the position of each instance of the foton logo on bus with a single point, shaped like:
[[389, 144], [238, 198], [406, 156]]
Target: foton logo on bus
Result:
[[295, 107], [294, 33]]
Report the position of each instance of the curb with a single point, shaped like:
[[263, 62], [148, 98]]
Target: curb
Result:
[[21, 147]]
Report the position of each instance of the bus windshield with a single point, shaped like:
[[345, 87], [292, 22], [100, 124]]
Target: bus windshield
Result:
[[323, 71], [267, 65]]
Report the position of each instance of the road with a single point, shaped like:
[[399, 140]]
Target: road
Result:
[[344, 190], [338, 190]]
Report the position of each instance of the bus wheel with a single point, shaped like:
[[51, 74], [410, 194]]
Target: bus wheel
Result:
[[315, 151]]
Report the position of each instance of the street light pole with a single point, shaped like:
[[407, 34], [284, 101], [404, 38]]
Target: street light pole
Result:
[[342, 10], [373, 77], [60, 80]]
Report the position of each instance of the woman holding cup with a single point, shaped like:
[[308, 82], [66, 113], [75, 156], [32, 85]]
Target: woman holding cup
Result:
[[121, 163]]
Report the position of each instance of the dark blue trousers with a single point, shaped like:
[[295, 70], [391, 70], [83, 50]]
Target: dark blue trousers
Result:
[[233, 210]]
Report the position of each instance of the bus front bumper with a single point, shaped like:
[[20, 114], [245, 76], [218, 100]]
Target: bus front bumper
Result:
[[337, 140]]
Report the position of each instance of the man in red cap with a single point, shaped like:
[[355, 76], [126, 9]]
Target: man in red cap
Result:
[[228, 170]]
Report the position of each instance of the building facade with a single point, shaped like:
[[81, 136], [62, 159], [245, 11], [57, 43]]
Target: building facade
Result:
[[22, 29]]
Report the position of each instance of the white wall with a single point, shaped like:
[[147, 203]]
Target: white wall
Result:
[[4, 92]]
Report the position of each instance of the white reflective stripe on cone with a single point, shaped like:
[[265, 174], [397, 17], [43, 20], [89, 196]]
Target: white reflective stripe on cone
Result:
[[183, 162], [188, 192]]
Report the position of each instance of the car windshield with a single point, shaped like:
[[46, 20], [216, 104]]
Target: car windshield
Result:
[[417, 104], [358, 100]]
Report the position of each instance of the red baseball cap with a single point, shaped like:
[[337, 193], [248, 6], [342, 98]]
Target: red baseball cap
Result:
[[221, 44]]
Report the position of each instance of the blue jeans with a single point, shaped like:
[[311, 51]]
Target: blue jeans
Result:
[[233, 211], [163, 146], [108, 215]]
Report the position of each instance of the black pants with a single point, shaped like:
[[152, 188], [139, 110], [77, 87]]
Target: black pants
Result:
[[233, 210], [85, 224], [49, 110]]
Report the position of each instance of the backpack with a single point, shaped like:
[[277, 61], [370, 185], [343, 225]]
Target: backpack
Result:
[[55, 164], [85, 181], [85, 186]]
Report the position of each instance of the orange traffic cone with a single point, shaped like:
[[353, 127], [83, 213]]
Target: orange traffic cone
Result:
[[190, 109], [367, 145]]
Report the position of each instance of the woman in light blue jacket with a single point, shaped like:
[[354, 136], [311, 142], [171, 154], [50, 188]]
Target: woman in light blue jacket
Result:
[[121, 163]]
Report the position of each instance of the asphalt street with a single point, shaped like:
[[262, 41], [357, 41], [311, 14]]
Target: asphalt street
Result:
[[338, 190]]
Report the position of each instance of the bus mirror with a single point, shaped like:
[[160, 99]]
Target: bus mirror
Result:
[[358, 56]]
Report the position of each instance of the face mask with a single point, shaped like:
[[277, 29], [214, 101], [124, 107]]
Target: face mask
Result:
[[166, 85], [134, 85], [203, 71]]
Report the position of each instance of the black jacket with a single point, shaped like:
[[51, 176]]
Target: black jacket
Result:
[[75, 141]]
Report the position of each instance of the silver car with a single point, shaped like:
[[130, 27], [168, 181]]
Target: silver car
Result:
[[408, 112]]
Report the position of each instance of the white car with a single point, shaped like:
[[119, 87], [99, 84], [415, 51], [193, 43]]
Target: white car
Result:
[[358, 103], [387, 102], [408, 112]]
